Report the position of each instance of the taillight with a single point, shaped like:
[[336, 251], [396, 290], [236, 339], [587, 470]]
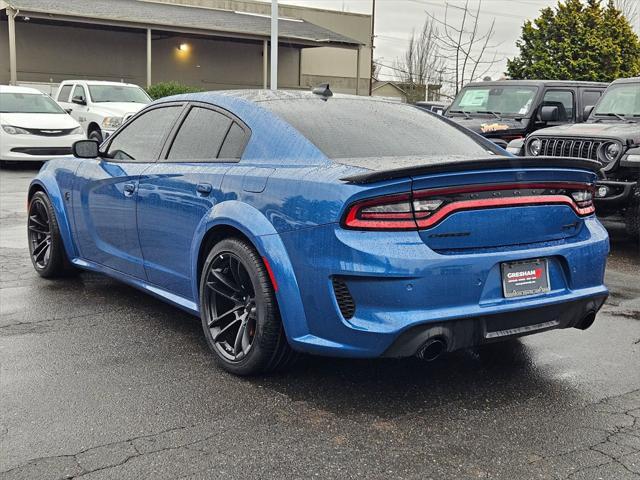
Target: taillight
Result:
[[391, 212], [424, 209]]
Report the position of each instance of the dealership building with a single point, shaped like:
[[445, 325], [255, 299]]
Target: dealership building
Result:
[[208, 44]]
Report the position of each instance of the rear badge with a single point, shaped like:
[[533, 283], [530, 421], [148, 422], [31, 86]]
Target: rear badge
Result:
[[520, 279]]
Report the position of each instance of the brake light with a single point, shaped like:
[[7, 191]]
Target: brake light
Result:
[[391, 212], [424, 209]]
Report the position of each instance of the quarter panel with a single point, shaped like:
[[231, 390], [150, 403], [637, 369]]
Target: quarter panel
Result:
[[57, 177]]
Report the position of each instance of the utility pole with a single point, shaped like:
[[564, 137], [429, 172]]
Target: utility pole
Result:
[[274, 44], [373, 36]]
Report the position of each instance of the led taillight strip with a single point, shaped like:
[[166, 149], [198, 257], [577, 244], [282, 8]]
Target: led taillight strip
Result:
[[463, 205], [357, 219]]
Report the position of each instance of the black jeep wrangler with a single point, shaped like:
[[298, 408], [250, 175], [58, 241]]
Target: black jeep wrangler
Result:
[[610, 135], [505, 110]]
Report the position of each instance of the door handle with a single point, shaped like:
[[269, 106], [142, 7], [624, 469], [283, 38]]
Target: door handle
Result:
[[129, 189], [204, 188]]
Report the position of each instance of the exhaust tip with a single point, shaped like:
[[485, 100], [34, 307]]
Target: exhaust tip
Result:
[[432, 349], [588, 320]]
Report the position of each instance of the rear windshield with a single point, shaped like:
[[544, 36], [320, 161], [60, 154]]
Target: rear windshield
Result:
[[352, 128]]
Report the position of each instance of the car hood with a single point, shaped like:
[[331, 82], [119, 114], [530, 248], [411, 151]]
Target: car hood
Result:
[[491, 127], [117, 109], [618, 131], [39, 120]]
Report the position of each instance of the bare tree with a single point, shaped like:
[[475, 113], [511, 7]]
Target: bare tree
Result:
[[421, 61], [464, 47], [629, 9]]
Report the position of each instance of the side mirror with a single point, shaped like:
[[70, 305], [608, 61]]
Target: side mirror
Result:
[[79, 100], [516, 147], [85, 149], [587, 111], [68, 110], [549, 113]]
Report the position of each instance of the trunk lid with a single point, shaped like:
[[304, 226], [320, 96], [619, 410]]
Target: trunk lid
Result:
[[499, 208]]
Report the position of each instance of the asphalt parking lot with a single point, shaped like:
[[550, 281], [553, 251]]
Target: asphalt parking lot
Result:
[[100, 381]]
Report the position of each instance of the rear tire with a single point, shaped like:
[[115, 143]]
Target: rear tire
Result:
[[632, 216], [239, 311], [46, 248]]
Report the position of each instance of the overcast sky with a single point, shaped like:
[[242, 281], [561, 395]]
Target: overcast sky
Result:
[[395, 20]]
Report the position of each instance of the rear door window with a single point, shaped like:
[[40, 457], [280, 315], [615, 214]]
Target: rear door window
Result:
[[63, 94], [200, 136]]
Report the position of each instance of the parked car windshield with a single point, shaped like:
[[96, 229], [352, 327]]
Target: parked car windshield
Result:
[[14, 102], [358, 128], [117, 93], [622, 99], [504, 100]]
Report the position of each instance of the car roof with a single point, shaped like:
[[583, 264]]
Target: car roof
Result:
[[99, 82], [538, 83], [15, 89], [627, 80], [260, 96]]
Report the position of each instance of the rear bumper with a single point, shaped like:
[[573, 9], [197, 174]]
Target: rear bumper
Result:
[[401, 288], [470, 332]]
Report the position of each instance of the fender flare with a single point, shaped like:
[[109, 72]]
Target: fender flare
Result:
[[46, 182], [266, 240]]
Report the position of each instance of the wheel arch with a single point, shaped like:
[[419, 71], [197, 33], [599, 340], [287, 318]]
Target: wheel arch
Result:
[[46, 183], [93, 126], [222, 222]]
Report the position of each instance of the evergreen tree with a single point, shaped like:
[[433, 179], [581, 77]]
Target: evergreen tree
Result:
[[577, 41]]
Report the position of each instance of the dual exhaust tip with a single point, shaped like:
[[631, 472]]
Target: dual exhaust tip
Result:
[[436, 346]]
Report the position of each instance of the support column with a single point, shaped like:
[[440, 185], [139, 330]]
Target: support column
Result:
[[148, 57], [13, 69], [265, 64], [358, 71], [274, 44]]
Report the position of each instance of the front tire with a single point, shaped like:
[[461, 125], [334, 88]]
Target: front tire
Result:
[[45, 243], [96, 135], [240, 316], [632, 216]]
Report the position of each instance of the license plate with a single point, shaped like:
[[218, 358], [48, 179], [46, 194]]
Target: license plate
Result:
[[521, 279]]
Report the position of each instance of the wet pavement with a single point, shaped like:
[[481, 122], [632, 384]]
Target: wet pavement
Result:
[[100, 381]]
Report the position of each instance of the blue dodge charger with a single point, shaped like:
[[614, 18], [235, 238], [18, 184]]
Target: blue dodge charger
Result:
[[334, 225]]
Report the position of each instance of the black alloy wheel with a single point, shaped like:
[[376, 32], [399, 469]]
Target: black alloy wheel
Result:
[[45, 243], [232, 303], [39, 234], [240, 315]]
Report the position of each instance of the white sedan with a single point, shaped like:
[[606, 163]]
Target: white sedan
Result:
[[33, 127]]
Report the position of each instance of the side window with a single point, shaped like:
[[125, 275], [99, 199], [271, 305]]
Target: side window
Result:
[[200, 136], [563, 99], [142, 138], [63, 94], [79, 92], [590, 97], [234, 144]]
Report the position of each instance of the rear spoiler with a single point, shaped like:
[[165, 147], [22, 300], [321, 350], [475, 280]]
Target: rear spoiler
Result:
[[480, 164]]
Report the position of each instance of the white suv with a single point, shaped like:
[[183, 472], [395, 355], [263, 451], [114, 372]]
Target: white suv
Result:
[[101, 107]]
